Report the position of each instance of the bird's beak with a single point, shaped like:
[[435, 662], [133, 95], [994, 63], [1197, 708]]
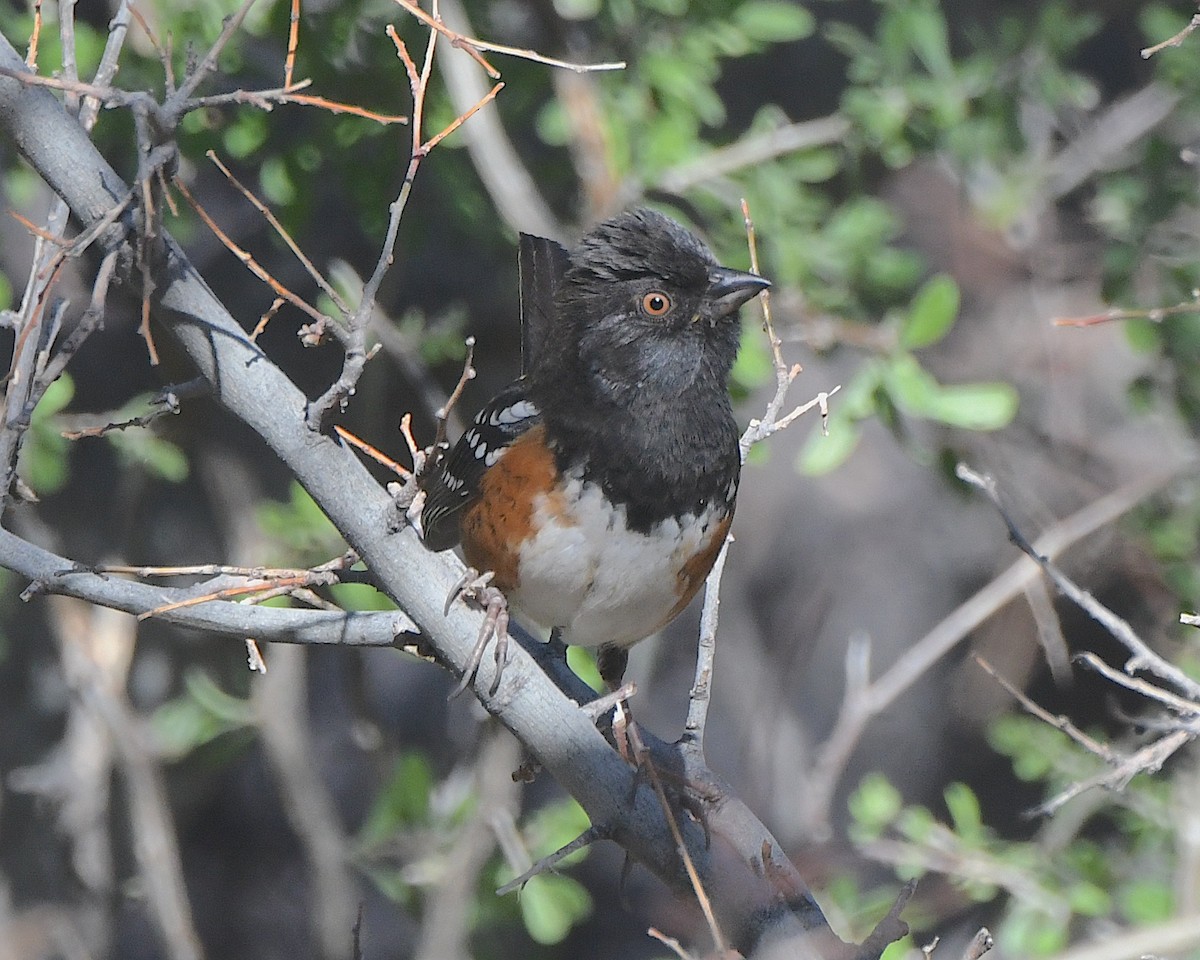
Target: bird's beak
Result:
[[729, 289]]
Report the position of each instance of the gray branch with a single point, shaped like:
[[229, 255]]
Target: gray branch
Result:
[[758, 896]]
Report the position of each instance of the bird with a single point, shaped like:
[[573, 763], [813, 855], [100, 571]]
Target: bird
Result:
[[596, 490]]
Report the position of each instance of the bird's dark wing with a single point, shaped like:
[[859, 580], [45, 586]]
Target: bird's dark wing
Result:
[[454, 483], [542, 263]]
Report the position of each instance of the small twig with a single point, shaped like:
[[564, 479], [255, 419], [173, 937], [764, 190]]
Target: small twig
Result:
[[208, 63], [646, 764], [670, 943], [322, 320], [254, 657], [273, 587], [1175, 41], [32, 52], [757, 431], [462, 118], [980, 944], [289, 63], [473, 46], [281, 232], [585, 839], [1151, 691], [467, 375], [601, 705], [951, 629], [891, 928], [1153, 314], [1148, 759], [1059, 722], [377, 455], [701, 692], [1143, 658]]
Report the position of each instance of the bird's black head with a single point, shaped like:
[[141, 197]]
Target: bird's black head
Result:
[[644, 308]]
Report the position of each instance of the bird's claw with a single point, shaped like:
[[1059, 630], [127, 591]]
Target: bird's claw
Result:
[[479, 590]]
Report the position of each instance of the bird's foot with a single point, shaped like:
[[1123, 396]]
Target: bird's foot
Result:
[[479, 590]]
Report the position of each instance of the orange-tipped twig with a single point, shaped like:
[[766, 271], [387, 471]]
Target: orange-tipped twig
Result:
[[462, 118], [473, 46], [282, 233], [32, 53], [251, 264], [289, 64], [375, 454]]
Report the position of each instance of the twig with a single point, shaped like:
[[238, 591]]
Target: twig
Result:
[[1169, 700], [289, 63], [473, 46], [1174, 41], [753, 150], [281, 232], [501, 169], [1059, 722], [208, 62], [467, 375], [323, 321], [377, 455], [700, 696], [1148, 759], [646, 764], [980, 944], [755, 432], [670, 943], [587, 838], [835, 753], [1143, 658], [1153, 314]]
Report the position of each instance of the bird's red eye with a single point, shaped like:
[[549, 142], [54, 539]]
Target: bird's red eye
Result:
[[656, 303]]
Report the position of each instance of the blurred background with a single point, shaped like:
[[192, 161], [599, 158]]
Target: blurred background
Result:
[[933, 185]]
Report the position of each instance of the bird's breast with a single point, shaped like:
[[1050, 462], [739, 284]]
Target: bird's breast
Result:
[[585, 570]]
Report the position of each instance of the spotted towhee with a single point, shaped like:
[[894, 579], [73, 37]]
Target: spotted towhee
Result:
[[599, 487]]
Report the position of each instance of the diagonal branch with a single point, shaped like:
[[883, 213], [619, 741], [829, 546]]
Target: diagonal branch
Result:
[[756, 898]]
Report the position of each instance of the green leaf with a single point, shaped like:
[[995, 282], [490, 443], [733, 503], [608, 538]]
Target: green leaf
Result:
[[554, 826], [773, 21], [361, 597], [910, 386], [1090, 900], [403, 801], [823, 454], [583, 664], [875, 805], [203, 713], [975, 406], [932, 314], [300, 529], [964, 811], [45, 456], [551, 905], [1148, 901], [159, 457]]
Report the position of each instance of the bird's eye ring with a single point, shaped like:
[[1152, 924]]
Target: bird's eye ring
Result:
[[656, 303]]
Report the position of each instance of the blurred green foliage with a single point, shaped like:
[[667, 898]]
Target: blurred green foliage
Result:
[[1056, 886]]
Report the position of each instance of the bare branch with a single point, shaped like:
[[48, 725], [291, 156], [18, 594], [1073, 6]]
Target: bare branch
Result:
[[1143, 658]]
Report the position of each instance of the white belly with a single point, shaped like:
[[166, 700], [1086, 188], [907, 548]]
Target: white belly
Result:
[[601, 582]]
